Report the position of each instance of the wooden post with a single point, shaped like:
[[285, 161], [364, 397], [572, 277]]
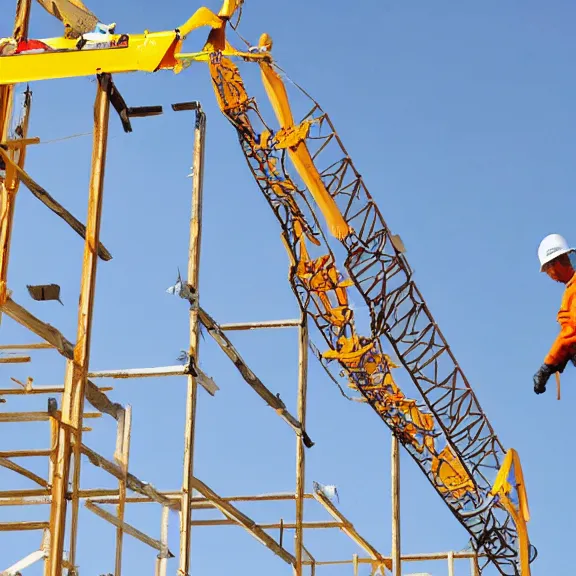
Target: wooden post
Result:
[[122, 459], [396, 547], [54, 430], [22, 21], [46, 548], [260, 325], [77, 369], [474, 568], [450, 563], [193, 281], [162, 562], [300, 454], [20, 32], [9, 187]]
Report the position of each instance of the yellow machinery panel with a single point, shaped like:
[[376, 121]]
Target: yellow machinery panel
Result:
[[144, 53]]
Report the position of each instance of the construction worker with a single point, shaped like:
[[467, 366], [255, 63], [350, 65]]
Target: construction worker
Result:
[[553, 254]]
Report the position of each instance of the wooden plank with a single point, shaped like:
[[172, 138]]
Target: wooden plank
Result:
[[20, 142], [132, 482], [9, 465], [129, 529], [128, 373], [6, 417], [22, 526], [351, 532], [54, 337], [23, 453], [46, 390], [52, 204], [36, 346], [15, 359], [230, 511], [260, 325], [252, 380]]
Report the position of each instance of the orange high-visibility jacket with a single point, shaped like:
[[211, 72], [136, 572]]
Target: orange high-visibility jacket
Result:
[[565, 344]]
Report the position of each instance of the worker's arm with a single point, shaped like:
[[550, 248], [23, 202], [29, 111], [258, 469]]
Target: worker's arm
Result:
[[565, 343], [562, 347]]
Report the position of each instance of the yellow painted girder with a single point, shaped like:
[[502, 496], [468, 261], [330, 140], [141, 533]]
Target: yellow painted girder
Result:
[[145, 53]]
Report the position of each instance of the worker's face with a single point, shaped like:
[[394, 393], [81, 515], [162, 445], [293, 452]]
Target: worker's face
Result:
[[560, 269]]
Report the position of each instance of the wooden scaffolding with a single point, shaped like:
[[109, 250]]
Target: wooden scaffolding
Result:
[[60, 490]]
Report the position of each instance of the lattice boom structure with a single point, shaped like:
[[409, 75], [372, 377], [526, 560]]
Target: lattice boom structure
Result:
[[453, 442]]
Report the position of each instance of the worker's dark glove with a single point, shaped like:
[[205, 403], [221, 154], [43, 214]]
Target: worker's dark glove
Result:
[[546, 370]]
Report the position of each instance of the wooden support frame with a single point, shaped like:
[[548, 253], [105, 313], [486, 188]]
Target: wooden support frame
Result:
[[77, 369], [300, 452], [9, 186], [395, 484], [67, 424], [193, 276]]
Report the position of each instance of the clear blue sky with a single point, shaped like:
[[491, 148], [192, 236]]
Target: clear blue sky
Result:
[[460, 117]]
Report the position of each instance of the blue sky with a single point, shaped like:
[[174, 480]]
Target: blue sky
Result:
[[460, 118]]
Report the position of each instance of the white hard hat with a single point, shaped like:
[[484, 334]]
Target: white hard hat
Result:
[[551, 247]]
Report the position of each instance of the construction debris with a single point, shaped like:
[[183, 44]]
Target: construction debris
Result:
[[45, 292]]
